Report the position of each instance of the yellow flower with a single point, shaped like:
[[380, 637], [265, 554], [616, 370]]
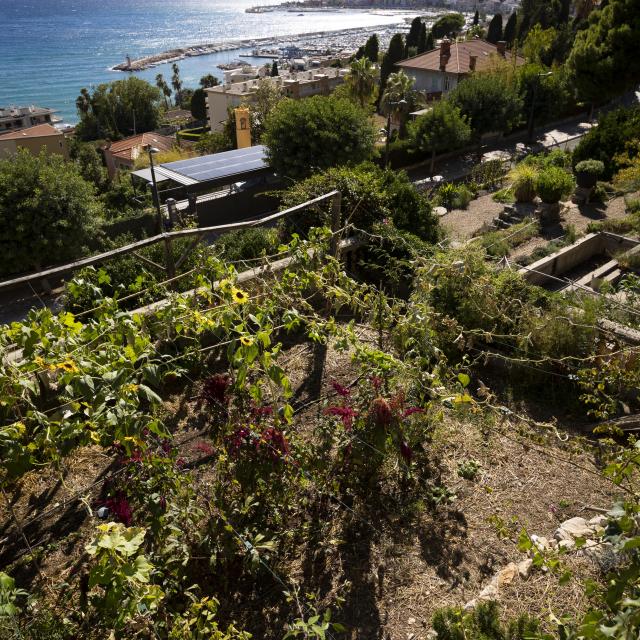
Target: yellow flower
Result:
[[246, 341], [239, 296], [131, 388], [39, 360], [225, 285], [20, 428], [67, 365]]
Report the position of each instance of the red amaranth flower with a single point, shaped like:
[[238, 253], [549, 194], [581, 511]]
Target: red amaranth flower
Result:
[[411, 410], [136, 456], [237, 439], [406, 452], [275, 441], [206, 448], [215, 388], [381, 412], [258, 413], [121, 509], [346, 415], [341, 390], [376, 382]]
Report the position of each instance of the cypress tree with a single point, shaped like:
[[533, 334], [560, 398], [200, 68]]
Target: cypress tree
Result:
[[423, 42], [495, 29], [476, 18], [372, 48], [430, 41], [413, 37], [394, 54], [274, 69], [510, 29]]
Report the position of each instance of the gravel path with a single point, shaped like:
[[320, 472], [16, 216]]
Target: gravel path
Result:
[[462, 224]]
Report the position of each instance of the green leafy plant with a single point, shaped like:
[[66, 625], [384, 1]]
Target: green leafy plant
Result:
[[9, 595], [469, 469], [553, 183], [524, 178]]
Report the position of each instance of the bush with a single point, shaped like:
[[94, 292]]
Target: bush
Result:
[[591, 167], [315, 134], [454, 196], [247, 244], [553, 183], [524, 177], [369, 195]]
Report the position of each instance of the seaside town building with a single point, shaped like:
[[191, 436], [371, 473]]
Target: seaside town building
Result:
[[122, 155], [34, 139], [301, 84], [16, 118], [437, 72]]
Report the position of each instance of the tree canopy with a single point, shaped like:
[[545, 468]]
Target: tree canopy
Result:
[[317, 133], [413, 37], [199, 104], [361, 81], [511, 28], [494, 34], [490, 101], [394, 54], [118, 109], [604, 59], [372, 48], [447, 24], [48, 212]]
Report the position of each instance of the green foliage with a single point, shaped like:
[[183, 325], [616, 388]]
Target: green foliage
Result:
[[554, 93], [90, 164], [9, 595], [394, 54], [361, 82], [603, 61], [511, 28], [494, 34], [538, 43], [413, 37], [121, 575], [617, 133], [247, 244], [489, 101], [109, 110], [214, 142], [199, 104], [442, 128], [372, 48], [48, 212], [303, 136], [469, 469], [591, 167], [554, 183], [448, 24], [523, 182], [501, 243], [200, 623], [453, 196], [369, 195], [482, 623]]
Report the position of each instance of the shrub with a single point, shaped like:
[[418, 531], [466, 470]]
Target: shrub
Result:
[[524, 178], [247, 244], [454, 196], [591, 167], [553, 183], [317, 133]]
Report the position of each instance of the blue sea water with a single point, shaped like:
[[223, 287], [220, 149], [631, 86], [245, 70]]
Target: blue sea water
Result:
[[50, 49]]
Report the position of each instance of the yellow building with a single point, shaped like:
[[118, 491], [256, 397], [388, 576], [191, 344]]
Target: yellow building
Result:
[[34, 139]]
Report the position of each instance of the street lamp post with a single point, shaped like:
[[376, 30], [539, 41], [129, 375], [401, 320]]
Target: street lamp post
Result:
[[536, 86], [168, 253], [390, 105]]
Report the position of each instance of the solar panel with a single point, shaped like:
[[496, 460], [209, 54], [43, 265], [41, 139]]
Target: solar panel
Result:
[[221, 165]]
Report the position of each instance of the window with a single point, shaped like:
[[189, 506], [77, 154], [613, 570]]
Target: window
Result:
[[447, 83]]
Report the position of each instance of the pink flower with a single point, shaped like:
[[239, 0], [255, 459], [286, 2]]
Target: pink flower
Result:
[[376, 382], [206, 448], [120, 508], [411, 410], [406, 452], [341, 390], [346, 415]]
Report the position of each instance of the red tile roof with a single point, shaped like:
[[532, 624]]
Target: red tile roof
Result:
[[459, 60], [39, 131], [124, 148]]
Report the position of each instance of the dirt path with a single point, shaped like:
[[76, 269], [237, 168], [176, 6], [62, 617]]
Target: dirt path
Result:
[[462, 224]]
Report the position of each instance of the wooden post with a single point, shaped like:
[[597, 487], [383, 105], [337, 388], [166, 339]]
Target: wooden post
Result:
[[168, 257], [336, 219]]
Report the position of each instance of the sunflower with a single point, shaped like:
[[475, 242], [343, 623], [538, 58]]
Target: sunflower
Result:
[[239, 296], [66, 365], [246, 341]]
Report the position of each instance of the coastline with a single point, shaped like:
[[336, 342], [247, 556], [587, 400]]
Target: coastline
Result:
[[174, 55]]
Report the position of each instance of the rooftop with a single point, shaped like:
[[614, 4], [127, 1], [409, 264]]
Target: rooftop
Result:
[[9, 113], [125, 148], [459, 59], [39, 131]]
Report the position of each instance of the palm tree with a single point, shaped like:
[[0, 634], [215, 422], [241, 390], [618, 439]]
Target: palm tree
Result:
[[362, 81], [399, 98], [83, 101], [176, 83], [164, 88]]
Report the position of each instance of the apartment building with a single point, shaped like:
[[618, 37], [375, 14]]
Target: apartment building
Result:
[[16, 118], [34, 139], [299, 84]]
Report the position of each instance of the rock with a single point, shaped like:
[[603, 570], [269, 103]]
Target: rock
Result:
[[598, 521], [490, 592], [524, 567], [567, 545], [506, 576], [575, 528], [103, 513], [471, 604], [440, 211], [411, 621], [540, 542]]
